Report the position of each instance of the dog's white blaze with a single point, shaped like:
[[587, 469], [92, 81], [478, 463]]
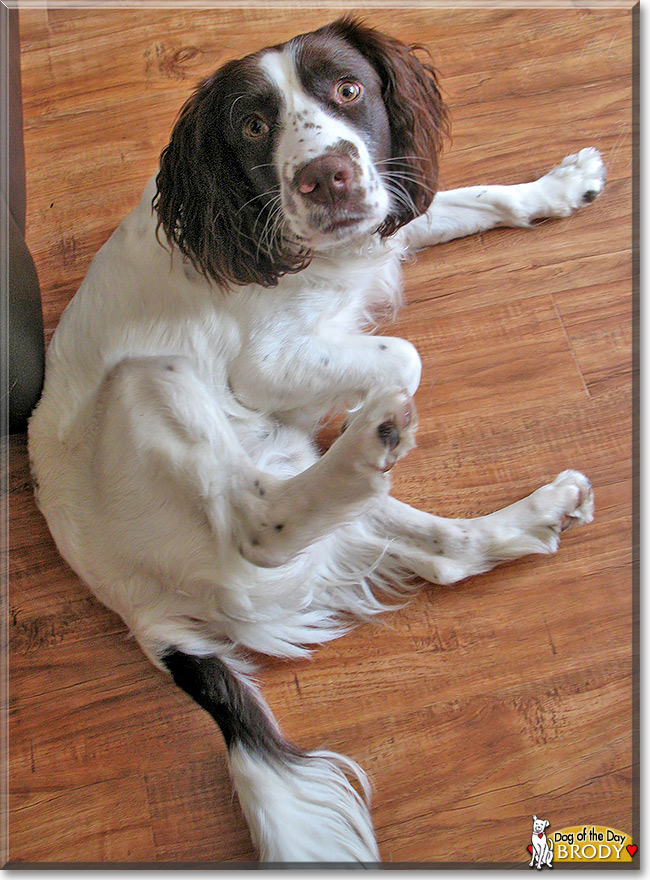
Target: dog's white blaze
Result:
[[281, 71], [308, 131], [301, 110]]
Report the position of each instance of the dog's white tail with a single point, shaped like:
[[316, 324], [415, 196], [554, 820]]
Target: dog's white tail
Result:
[[300, 806]]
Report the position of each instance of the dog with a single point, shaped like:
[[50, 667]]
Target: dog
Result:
[[542, 848], [173, 448]]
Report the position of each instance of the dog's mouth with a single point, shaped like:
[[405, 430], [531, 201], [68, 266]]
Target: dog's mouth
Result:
[[333, 198], [337, 224], [331, 224]]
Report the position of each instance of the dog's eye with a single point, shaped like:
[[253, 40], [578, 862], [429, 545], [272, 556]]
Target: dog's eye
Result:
[[348, 91], [255, 127]]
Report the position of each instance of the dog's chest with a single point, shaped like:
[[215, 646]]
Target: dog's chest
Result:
[[328, 297]]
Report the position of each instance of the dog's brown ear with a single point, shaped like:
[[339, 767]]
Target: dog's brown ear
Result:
[[417, 116], [206, 205]]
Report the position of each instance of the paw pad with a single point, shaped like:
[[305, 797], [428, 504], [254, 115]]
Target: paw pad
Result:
[[383, 430], [388, 434]]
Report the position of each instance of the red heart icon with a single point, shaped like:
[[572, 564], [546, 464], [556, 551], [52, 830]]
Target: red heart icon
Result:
[[540, 835], [632, 848], [530, 849]]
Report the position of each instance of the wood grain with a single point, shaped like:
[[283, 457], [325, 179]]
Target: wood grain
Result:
[[477, 705]]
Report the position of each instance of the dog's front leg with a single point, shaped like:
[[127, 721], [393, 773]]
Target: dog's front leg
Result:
[[455, 213], [325, 368], [444, 551]]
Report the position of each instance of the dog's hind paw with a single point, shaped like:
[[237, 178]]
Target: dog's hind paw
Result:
[[384, 430], [554, 508], [535, 524]]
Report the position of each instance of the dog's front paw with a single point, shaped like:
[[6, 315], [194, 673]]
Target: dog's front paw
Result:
[[399, 363], [383, 430], [572, 184]]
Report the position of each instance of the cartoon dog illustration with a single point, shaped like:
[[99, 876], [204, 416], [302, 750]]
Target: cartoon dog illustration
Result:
[[542, 848]]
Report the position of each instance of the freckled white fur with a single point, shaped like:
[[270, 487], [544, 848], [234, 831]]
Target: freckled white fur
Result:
[[309, 130], [173, 455]]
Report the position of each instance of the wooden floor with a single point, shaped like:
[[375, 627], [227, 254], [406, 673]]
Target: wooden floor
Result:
[[478, 705]]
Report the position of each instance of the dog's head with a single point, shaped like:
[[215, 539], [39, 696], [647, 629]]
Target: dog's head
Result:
[[293, 149], [539, 825]]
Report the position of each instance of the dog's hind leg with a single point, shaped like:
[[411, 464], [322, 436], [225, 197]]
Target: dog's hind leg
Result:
[[444, 551], [276, 519], [168, 463]]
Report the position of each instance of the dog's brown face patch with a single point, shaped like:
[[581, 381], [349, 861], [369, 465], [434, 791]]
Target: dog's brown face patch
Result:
[[325, 61]]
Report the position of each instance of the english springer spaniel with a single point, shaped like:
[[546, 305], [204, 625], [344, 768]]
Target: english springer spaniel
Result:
[[173, 449]]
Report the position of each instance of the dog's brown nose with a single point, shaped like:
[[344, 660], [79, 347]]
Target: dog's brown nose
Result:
[[325, 180]]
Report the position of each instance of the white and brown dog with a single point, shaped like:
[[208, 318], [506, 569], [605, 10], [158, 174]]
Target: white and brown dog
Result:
[[173, 447]]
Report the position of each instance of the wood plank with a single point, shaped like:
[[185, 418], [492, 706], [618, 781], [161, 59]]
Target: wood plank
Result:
[[186, 830], [104, 822]]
